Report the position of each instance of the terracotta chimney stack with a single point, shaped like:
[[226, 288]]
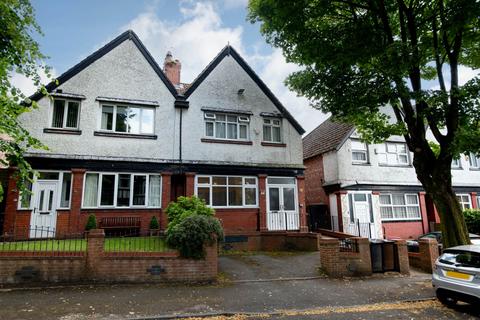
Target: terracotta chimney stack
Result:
[[172, 68]]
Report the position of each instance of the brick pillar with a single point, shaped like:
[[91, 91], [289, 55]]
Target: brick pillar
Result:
[[423, 212], [301, 203], [95, 253], [262, 201], [329, 250], [75, 223], [166, 190], [211, 259], [365, 265], [11, 197], [428, 249], [473, 196], [190, 184], [402, 257]]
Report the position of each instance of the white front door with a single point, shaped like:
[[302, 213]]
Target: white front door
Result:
[[282, 213], [44, 214], [363, 224]]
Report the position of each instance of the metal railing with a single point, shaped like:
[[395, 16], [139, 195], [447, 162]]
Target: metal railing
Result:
[[41, 241], [360, 229]]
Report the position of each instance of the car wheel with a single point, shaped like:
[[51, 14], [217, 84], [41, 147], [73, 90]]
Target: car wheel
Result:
[[445, 298]]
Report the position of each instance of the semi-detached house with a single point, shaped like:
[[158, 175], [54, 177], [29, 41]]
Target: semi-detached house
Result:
[[372, 189], [126, 137]]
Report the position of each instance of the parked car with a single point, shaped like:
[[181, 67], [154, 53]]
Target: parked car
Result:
[[456, 275], [413, 244]]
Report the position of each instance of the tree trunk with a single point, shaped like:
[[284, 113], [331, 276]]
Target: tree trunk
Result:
[[436, 178]]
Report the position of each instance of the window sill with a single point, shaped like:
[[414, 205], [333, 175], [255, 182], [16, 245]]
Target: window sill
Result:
[[274, 144], [458, 168], [474, 169], [124, 135], [207, 140], [402, 220], [119, 208], [62, 131], [396, 165], [361, 164]]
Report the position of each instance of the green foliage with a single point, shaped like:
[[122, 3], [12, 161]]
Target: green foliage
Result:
[[154, 223], [91, 222], [184, 207], [472, 219], [190, 234], [19, 54]]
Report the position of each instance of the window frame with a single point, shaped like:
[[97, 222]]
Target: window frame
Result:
[[115, 196], [270, 126], [208, 118], [365, 151], [114, 120], [406, 205], [58, 190], [65, 113], [459, 166], [472, 156], [396, 153], [243, 185], [462, 203]]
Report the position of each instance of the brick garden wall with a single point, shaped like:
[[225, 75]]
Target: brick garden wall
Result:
[[425, 258], [100, 266]]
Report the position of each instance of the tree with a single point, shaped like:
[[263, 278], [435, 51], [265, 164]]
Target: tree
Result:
[[360, 57], [19, 53]]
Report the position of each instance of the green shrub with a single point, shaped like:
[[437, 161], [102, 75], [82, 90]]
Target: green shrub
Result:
[[184, 207], [154, 225], [189, 235], [472, 219], [91, 223]]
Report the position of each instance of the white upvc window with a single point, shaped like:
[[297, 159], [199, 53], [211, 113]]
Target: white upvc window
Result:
[[127, 119], [65, 113], [272, 130], [399, 206], [227, 191], [121, 190], [359, 151], [474, 161], [465, 201], [64, 179], [393, 153], [456, 164], [226, 126]]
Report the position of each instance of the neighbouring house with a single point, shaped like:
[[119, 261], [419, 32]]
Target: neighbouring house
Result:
[[126, 137], [372, 190]]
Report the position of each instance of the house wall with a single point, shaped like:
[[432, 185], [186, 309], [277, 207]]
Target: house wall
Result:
[[122, 73], [219, 90], [314, 178]]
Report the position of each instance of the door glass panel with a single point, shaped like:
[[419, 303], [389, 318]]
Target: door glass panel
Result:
[[289, 199], [274, 198], [360, 197], [48, 175], [40, 204], [50, 200]]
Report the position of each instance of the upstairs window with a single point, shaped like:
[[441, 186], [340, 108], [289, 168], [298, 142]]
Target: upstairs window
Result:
[[464, 200], [65, 114], [359, 152], [226, 126], [474, 161], [128, 119], [456, 164], [393, 153], [272, 130]]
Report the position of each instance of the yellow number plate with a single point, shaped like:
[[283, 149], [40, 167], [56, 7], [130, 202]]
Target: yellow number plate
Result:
[[458, 275]]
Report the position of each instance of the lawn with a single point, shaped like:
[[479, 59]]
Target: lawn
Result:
[[130, 244]]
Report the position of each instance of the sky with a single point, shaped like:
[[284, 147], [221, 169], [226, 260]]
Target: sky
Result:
[[194, 31]]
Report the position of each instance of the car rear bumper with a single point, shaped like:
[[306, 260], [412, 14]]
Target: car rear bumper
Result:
[[462, 288]]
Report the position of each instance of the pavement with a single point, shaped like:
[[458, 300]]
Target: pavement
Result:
[[275, 286]]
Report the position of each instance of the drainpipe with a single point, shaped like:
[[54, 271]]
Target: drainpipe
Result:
[[181, 104]]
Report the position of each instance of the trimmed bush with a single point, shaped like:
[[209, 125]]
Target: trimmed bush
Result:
[[91, 223], [472, 219], [154, 225], [184, 207], [189, 235]]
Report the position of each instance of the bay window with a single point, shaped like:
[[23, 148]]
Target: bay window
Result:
[[399, 206], [121, 190], [127, 119], [226, 126], [393, 153], [65, 114], [227, 191]]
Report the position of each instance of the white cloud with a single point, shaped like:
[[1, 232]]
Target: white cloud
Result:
[[234, 4], [26, 85]]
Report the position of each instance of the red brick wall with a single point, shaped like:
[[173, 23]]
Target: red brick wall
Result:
[[302, 210], [262, 201], [402, 230], [314, 176], [237, 221]]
